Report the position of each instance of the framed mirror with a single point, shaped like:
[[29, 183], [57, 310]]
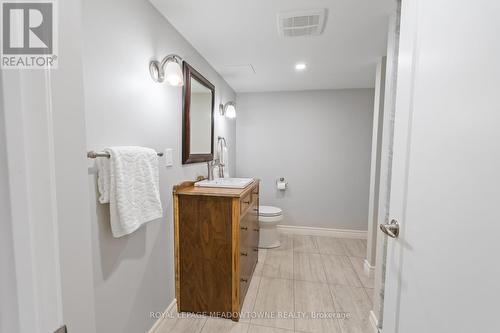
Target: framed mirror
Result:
[[198, 117]]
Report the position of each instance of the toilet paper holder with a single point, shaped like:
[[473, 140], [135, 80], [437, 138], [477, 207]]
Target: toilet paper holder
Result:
[[281, 184]]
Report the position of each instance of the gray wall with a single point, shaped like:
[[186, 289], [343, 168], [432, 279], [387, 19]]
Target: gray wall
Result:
[[134, 275], [320, 141]]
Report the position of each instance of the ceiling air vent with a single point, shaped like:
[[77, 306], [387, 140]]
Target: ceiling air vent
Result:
[[302, 23]]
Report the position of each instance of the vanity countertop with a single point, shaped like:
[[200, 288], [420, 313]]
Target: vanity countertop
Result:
[[188, 188]]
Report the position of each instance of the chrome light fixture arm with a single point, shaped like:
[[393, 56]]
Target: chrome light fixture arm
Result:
[[157, 69]]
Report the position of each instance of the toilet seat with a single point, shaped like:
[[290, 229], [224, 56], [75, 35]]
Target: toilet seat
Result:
[[269, 211]]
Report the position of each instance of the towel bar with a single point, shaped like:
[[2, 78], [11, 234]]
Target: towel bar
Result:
[[94, 154]]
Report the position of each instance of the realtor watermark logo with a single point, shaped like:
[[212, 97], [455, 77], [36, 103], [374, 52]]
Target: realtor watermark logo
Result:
[[29, 34]]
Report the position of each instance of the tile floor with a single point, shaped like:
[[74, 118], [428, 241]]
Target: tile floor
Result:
[[306, 275]]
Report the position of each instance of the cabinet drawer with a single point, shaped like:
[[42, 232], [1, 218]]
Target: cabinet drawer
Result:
[[249, 229], [245, 203], [244, 284], [249, 200], [247, 266], [250, 221], [249, 237], [248, 254]]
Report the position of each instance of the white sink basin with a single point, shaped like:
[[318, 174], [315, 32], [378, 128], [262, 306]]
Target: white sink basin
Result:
[[225, 182]]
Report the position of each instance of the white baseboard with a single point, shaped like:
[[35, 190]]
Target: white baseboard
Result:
[[311, 231], [374, 322], [158, 322], [367, 267]]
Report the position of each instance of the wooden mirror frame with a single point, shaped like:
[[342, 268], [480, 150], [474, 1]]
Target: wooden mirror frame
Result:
[[189, 74]]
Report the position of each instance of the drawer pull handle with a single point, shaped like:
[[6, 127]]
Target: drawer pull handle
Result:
[[245, 254], [246, 202], [256, 230], [244, 228], [255, 249], [256, 209], [244, 280]]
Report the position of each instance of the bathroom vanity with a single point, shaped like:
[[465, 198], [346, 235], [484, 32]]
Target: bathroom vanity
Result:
[[216, 234]]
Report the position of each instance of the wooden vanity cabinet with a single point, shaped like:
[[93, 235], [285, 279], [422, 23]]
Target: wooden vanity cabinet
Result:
[[216, 233]]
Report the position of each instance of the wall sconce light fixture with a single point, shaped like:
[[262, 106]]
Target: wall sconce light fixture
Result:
[[169, 69], [228, 110]]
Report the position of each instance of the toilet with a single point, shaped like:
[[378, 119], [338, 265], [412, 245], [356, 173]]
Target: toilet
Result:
[[269, 217]]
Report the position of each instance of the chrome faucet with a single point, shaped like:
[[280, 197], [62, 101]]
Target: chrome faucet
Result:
[[221, 144], [211, 165], [217, 162]]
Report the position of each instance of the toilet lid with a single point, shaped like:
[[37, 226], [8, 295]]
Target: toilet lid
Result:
[[269, 211]]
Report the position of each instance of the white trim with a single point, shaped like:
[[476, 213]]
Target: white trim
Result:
[[312, 231], [374, 322], [367, 267], [162, 318], [52, 189]]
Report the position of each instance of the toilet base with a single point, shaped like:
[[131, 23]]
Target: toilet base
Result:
[[268, 235]]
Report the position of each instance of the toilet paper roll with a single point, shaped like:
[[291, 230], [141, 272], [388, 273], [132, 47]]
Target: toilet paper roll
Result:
[[281, 186]]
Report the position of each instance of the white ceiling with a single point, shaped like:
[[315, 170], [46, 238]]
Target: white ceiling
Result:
[[234, 34]]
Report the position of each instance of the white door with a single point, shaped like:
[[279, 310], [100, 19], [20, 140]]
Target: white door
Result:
[[443, 272]]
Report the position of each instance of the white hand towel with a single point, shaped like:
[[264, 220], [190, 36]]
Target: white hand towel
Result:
[[103, 179], [134, 189]]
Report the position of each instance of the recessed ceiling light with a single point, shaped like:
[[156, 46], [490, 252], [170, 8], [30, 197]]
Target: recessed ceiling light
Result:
[[300, 66]]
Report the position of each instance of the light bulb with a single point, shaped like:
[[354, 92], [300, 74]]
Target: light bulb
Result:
[[173, 74], [300, 66], [231, 111]]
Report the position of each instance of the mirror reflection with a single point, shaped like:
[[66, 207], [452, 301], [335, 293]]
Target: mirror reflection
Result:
[[200, 118]]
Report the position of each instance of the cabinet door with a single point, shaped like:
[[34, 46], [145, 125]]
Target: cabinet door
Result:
[[205, 254]]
